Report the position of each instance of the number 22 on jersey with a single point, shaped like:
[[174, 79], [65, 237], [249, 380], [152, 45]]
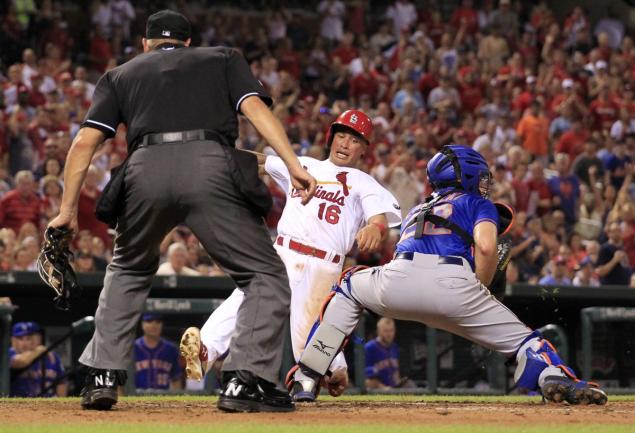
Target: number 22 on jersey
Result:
[[444, 211]]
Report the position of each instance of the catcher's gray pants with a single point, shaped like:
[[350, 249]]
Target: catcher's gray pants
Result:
[[443, 296], [168, 184]]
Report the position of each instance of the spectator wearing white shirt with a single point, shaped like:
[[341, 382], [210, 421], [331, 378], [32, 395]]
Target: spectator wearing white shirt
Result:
[[333, 12], [177, 257], [490, 138], [403, 15], [623, 126], [122, 14]]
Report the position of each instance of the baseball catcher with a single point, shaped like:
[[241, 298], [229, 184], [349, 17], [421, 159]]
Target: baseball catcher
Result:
[[444, 263], [53, 265]]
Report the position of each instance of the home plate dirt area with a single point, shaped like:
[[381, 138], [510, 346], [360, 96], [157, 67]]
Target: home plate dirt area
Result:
[[360, 410]]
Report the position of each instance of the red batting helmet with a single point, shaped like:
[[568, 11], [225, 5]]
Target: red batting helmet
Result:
[[355, 121]]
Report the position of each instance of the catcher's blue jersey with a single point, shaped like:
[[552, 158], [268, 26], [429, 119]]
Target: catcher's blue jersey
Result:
[[464, 210]]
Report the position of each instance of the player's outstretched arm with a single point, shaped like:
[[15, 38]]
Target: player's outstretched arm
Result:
[[370, 236], [485, 251]]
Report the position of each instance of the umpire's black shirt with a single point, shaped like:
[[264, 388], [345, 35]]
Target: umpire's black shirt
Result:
[[174, 88]]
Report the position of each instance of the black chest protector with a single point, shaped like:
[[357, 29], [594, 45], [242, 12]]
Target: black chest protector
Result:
[[425, 215]]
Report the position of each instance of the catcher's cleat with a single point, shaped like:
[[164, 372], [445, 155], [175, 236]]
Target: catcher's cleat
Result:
[[563, 388], [100, 389], [245, 392], [53, 265], [194, 352], [304, 391]]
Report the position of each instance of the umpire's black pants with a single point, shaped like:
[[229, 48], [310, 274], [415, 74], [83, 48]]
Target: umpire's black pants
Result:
[[190, 183]]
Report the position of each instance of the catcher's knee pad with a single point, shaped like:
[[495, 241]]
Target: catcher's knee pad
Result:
[[534, 356]]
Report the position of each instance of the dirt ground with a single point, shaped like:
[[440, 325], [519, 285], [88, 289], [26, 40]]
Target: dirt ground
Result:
[[340, 413]]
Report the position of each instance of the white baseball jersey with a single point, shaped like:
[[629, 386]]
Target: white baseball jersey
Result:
[[344, 200]]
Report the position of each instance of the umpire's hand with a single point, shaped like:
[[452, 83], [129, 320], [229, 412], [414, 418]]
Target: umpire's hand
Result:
[[65, 219], [303, 182]]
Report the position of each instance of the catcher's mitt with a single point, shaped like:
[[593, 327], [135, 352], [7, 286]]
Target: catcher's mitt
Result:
[[497, 286], [506, 216], [54, 267]]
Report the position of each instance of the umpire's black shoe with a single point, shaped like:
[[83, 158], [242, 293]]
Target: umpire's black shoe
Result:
[[245, 392], [100, 388]]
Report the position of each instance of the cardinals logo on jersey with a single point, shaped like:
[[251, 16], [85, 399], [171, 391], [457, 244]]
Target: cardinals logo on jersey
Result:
[[341, 178]]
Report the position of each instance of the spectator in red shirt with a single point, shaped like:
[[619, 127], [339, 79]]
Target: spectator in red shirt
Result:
[[363, 84], [88, 197], [288, 59], [524, 99], [465, 14], [100, 51], [430, 79], [539, 191], [345, 51], [471, 92], [572, 141], [567, 99], [603, 110], [528, 51], [36, 97], [40, 129], [521, 187], [20, 205]]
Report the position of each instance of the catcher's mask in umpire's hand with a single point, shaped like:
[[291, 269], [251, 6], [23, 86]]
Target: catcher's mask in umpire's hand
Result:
[[54, 267]]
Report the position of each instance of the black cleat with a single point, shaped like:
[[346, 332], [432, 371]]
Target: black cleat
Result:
[[100, 388], [244, 392]]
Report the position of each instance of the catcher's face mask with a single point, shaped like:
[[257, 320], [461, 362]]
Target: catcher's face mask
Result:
[[54, 268], [485, 184]]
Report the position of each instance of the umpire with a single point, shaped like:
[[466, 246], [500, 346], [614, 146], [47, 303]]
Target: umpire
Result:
[[180, 107]]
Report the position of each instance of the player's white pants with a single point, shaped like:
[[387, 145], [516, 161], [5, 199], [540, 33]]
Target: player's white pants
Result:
[[443, 296], [310, 279]]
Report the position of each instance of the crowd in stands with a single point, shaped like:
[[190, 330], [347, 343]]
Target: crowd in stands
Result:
[[549, 102]]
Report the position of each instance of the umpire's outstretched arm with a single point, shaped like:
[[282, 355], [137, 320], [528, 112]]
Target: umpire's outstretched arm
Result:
[[77, 162], [271, 128]]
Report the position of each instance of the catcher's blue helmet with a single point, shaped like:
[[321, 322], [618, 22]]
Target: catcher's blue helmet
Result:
[[459, 167]]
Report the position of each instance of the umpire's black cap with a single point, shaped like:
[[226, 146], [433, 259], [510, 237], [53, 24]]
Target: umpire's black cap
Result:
[[167, 24]]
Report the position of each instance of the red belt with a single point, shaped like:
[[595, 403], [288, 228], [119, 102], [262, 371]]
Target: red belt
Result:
[[307, 249]]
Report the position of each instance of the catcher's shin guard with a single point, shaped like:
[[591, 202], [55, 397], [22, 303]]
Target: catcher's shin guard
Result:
[[303, 381], [540, 367], [325, 342], [536, 354]]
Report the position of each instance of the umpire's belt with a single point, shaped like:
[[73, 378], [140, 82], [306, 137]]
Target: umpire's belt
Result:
[[443, 260], [285, 241], [181, 137]]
